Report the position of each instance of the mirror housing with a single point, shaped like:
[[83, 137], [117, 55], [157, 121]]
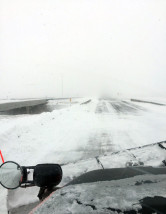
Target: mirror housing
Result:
[[47, 175]]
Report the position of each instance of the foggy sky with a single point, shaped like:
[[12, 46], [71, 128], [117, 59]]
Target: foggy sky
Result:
[[90, 47]]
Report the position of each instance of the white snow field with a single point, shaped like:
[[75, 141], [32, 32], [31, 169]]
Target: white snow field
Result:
[[75, 135]]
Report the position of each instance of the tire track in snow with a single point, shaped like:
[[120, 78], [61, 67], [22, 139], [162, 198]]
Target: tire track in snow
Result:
[[122, 108]]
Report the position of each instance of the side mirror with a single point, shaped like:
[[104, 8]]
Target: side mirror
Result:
[[11, 175]]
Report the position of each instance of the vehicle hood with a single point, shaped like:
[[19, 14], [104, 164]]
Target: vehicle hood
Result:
[[124, 195]]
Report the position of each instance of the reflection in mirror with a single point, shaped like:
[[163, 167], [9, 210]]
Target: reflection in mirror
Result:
[[10, 175]]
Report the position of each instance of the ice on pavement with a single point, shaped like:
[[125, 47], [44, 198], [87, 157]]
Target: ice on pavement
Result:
[[78, 133]]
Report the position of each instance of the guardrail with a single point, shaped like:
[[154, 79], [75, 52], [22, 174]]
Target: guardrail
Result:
[[21, 104], [143, 101]]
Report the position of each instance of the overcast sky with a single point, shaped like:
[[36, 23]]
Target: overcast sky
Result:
[[116, 47]]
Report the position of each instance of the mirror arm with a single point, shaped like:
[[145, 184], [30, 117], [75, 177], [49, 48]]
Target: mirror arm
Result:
[[25, 186], [28, 182], [29, 167]]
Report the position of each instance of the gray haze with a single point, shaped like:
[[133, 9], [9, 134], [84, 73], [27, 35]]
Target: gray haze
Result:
[[117, 47]]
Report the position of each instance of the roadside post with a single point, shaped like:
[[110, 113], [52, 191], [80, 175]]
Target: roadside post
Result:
[[1, 156]]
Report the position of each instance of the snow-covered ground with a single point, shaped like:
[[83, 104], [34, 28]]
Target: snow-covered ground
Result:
[[76, 134]]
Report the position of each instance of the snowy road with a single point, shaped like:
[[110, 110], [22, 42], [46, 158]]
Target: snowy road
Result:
[[80, 135], [102, 140]]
